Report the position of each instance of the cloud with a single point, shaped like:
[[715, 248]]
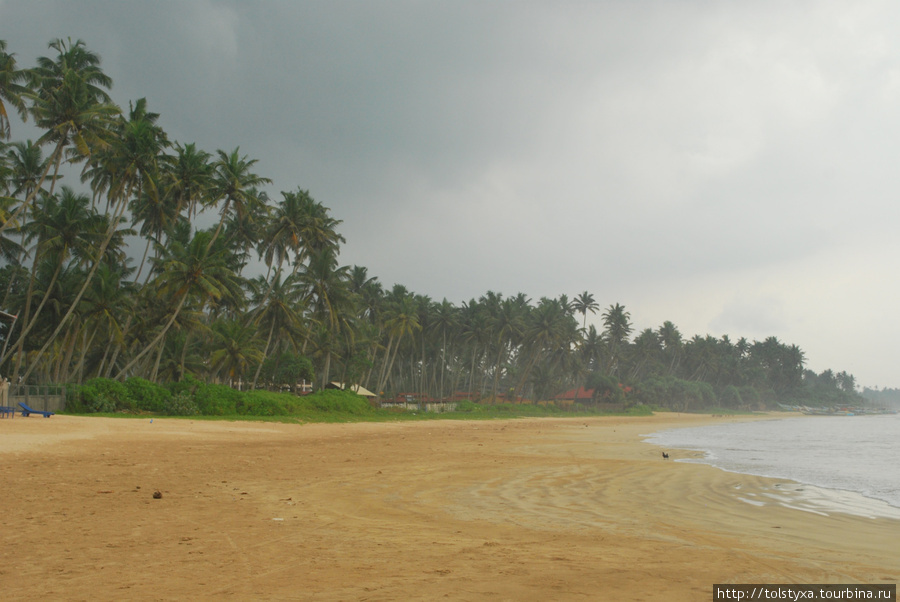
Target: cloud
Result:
[[709, 164]]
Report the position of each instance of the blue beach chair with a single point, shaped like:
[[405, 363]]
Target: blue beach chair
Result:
[[27, 411]]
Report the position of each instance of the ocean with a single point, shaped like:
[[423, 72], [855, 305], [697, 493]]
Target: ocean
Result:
[[847, 464]]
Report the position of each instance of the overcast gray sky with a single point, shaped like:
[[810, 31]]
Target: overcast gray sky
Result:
[[728, 166]]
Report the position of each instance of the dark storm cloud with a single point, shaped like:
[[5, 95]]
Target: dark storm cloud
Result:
[[726, 166]]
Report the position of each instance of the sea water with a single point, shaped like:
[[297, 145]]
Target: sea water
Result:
[[847, 463]]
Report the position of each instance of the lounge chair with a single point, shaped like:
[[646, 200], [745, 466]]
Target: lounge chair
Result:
[[26, 411], [4, 410]]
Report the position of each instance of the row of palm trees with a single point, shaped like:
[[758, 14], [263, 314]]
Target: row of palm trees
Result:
[[83, 309]]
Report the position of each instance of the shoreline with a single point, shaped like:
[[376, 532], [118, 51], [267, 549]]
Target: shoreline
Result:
[[792, 492], [525, 509]]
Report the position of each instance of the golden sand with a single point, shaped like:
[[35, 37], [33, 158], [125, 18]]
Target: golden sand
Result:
[[538, 509]]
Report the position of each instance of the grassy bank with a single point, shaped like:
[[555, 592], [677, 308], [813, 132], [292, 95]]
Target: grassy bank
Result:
[[191, 398]]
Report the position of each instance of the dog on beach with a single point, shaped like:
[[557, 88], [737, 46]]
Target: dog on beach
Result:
[[665, 456]]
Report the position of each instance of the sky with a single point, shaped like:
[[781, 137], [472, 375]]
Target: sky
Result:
[[727, 166]]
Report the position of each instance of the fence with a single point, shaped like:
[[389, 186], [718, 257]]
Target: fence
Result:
[[46, 398]]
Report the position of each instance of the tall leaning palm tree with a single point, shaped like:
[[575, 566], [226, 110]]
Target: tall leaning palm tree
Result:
[[328, 296], [197, 270], [70, 103], [186, 177], [128, 168], [126, 162], [12, 90], [65, 227], [299, 226], [277, 309], [233, 182]]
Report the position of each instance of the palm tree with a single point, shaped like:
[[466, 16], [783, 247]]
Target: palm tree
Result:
[[617, 323], [26, 163], [583, 304], [10, 89], [233, 182], [126, 163], [445, 322], [546, 331], [401, 322], [128, 168], [277, 308], [670, 338], [71, 105], [64, 228], [507, 325], [235, 348], [329, 299], [198, 270], [646, 349], [186, 177], [109, 300]]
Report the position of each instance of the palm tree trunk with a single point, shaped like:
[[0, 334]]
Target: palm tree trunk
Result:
[[86, 345], [391, 364], [155, 373], [143, 259], [158, 338], [37, 312], [265, 355], [381, 377], [109, 236], [184, 350]]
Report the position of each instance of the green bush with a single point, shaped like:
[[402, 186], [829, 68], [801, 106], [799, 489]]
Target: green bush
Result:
[[265, 403], [334, 400], [181, 404], [467, 407], [731, 397], [217, 400], [101, 395], [147, 396]]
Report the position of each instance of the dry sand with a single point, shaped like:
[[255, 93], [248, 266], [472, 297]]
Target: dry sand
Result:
[[545, 509]]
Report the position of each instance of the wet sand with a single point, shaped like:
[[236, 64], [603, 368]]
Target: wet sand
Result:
[[545, 509]]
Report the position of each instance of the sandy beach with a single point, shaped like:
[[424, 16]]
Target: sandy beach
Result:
[[537, 509]]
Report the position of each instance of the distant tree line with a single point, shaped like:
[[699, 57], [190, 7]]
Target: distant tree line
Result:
[[882, 397], [79, 308]]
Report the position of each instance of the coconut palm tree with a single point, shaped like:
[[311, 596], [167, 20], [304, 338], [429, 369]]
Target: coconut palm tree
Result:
[[198, 270], [401, 321], [328, 297], [128, 170], [547, 331], [617, 327], [235, 348], [670, 339], [232, 181], [186, 178], [126, 163], [507, 325], [444, 323], [70, 103], [12, 89], [26, 163], [65, 227], [106, 305], [276, 312], [583, 304]]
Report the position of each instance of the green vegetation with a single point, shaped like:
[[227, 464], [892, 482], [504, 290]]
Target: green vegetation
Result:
[[186, 332], [138, 397]]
